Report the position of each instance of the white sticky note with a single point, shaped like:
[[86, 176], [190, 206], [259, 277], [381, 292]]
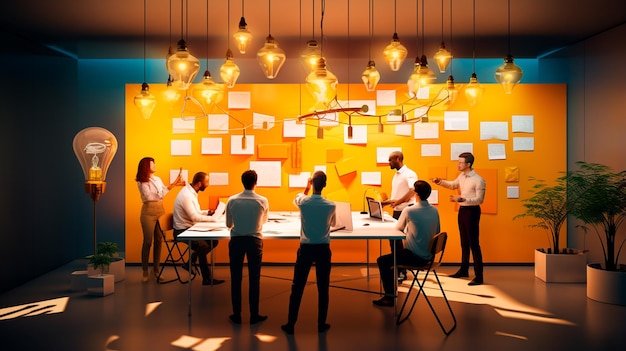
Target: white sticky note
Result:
[[386, 97], [382, 153], [523, 124], [218, 123], [180, 147], [174, 174], [404, 129], [237, 147], [496, 151], [512, 192], [433, 199], [211, 146], [455, 120], [494, 130], [181, 126], [423, 93], [431, 150], [218, 178], [359, 135], [428, 130], [268, 172], [293, 129], [458, 148], [239, 99], [523, 144], [261, 121], [370, 178], [319, 168], [299, 180]]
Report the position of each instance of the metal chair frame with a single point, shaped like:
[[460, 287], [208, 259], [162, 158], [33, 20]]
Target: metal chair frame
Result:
[[175, 255]]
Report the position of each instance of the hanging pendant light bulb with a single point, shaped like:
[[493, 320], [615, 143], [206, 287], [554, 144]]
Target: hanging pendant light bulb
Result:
[[370, 76], [443, 56], [311, 55], [322, 84], [182, 66], [395, 53], [208, 92], [145, 101], [270, 56], [171, 94], [229, 72], [453, 92], [421, 77], [243, 37], [473, 91], [509, 74]]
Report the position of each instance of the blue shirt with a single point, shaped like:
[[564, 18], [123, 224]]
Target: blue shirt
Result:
[[420, 223], [246, 213], [317, 215]]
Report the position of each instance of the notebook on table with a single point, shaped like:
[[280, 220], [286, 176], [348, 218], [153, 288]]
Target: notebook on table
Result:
[[343, 217]]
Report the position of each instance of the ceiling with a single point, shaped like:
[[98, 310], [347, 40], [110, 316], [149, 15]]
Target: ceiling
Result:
[[115, 28]]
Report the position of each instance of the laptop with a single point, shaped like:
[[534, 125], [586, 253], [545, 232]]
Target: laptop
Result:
[[343, 217], [375, 208]]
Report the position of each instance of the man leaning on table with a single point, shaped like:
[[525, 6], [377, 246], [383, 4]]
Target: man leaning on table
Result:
[[246, 213], [420, 223], [187, 212], [317, 216]]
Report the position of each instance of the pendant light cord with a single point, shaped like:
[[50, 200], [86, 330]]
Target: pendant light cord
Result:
[[509, 21], [227, 26], [473, 36], [145, 16], [369, 27], [269, 17], [423, 52]]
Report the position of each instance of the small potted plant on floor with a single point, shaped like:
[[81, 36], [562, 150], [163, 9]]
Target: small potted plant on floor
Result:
[[549, 206], [101, 284], [117, 264], [601, 206]]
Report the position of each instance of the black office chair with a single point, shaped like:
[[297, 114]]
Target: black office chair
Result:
[[176, 256], [437, 247]]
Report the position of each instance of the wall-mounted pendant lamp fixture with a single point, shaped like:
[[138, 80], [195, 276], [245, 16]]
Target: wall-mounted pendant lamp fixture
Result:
[[473, 90], [229, 72], [145, 101], [509, 74], [321, 82], [270, 56], [395, 53], [182, 65], [370, 76], [243, 37], [312, 53], [442, 56]]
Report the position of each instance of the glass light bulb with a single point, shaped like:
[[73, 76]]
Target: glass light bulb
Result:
[[145, 101], [395, 53], [208, 92], [322, 84], [243, 37], [370, 76], [229, 72], [182, 66], [443, 57], [271, 58], [311, 55], [94, 148], [509, 74], [473, 91]]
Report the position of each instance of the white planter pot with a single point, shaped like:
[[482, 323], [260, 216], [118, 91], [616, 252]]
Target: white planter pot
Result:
[[606, 286], [79, 281], [561, 268], [101, 284], [116, 268]]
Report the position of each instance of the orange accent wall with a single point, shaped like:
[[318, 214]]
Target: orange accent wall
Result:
[[502, 239]]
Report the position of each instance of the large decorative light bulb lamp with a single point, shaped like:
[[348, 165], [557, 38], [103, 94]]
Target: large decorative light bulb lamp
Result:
[[208, 91], [271, 57], [322, 84], [421, 77], [182, 66], [94, 148]]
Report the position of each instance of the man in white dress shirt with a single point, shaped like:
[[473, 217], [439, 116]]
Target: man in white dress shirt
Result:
[[187, 212]]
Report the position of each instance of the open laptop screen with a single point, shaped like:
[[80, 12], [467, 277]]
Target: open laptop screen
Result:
[[375, 208], [343, 216]]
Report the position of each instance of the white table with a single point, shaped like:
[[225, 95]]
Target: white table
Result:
[[286, 225]]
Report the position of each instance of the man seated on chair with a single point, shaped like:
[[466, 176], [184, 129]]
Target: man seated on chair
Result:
[[187, 212], [420, 223]]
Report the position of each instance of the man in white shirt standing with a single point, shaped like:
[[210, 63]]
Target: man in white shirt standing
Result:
[[246, 213], [317, 216], [402, 195], [187, 212], [472, 195]]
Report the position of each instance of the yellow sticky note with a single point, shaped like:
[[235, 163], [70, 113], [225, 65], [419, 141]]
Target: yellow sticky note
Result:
[[334, 155], [511, 174], [345, 166]]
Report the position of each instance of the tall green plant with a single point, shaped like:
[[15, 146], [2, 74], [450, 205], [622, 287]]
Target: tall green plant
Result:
[[601, 205], [549, 207]]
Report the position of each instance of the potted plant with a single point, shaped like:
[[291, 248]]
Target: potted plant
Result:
[[116, 265], [549, 206], [101, 284], [601, 206]]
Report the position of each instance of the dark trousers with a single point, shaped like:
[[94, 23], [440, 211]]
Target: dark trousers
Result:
[[202, 249], [397, 244], [252, 248], [385, 267], [469, 219], [308, 254]]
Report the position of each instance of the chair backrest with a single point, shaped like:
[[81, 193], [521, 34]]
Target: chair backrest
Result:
[[166, 222], [438, 245]]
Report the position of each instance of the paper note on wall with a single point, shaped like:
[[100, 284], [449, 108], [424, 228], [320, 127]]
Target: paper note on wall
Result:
[[218, 124], [426, 130], [359, 135], [319, 168], [431, 150], [293, 129], [433, 199], [523, 124], [181, 126], [404, 129], [458, 148], [261, 121], [512, 192], [386, 97], [237, 146], [180, 147], [211, 146], [238, 99], [268, 172], [370, 178], [218, 178], [496, 151], [523, 144], [382, 153], [299, 180], [345, 166], [494, 130], [455, 120], [184, 175]]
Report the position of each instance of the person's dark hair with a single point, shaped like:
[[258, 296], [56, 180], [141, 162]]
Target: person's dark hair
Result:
[[198, 178], [399, 155], [248, 179], [422, 189], [469, 158], [143, 170], [318, 180]]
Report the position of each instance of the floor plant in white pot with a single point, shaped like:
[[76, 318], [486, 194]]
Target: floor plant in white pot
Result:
[[549, 206], [601, 206]]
